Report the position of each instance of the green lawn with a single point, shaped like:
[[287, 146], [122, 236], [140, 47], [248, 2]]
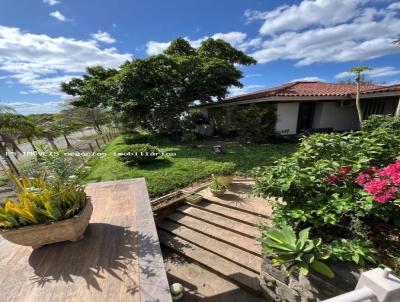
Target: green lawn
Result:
[[189, 164]]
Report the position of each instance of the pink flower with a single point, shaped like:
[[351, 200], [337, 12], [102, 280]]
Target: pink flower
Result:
[[345, 170], [332, 179], [375, 169], [362, 178], [376, 186], [389, 194]]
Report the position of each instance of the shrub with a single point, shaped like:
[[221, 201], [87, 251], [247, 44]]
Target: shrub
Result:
[[295, 252], [216, 185], [41, 202], [381, 121], [317, 182], [137, 154], [255, 123], [58, 165], [192, 119], [225, 169], [355, 250], [188, 136], [136, 138]]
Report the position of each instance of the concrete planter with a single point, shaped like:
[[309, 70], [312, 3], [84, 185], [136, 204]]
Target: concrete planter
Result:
[[194, 198], [225, 180], [217, 193], [36, 236], [277, 286]]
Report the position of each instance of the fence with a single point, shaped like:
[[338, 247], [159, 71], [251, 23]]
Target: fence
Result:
[[77, 144]]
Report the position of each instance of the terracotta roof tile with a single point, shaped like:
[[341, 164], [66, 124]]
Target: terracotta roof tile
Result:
[[306, 89]]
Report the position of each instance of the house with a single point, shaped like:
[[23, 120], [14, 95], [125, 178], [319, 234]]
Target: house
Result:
[[313, 106]]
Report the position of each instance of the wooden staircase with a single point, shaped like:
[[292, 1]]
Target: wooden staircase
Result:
[[220, 236]]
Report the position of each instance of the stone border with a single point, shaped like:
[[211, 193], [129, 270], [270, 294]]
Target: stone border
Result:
[[153, 286], [277, 286]]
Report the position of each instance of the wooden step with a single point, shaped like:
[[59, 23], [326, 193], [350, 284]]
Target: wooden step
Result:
[[222, 249], [230, 237], [227, 269], [201, 284], [230, 213], [240, 206], [220, 221]]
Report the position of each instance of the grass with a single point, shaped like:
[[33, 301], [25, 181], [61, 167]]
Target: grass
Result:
[[189, 164]]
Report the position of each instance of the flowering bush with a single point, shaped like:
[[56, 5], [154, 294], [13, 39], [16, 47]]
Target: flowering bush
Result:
[[383, 184], [318, 184]]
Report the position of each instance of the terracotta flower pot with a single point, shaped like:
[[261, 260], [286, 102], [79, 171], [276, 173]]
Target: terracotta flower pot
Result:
[[38, 235], [225, 180]]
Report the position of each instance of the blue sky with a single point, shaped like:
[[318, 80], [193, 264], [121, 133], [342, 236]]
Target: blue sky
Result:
[[45, 42]]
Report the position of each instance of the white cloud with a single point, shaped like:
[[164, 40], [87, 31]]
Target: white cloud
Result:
[[368, 34], [154, 48], [32, 108], [42, 62], [308, 12], [237, 39], [103, 37], [375, 73], [253, 75], [234, 91], [394, 6], [308, 79], [58, 15], [52, 2]]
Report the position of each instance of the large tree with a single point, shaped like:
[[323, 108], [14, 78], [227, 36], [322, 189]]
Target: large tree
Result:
[[92, 92], [154, 92]]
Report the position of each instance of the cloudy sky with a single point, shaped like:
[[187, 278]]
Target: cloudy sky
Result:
[[46, 42]]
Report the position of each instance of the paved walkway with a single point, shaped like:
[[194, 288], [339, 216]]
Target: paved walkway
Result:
[[211, 247]]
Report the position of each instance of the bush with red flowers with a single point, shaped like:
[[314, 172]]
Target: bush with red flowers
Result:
[[341, 185]]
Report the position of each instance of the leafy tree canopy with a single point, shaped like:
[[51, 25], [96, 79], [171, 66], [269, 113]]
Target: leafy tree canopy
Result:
[[154, 92]]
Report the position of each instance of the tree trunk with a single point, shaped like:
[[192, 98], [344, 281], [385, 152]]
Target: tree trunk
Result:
[[67, 141], [51, 141], [397, 112], [95, 118], [8, 160], [358, 104], [34, 148]]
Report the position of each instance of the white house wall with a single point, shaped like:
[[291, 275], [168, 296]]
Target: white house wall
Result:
[[330, 115], [287, 114]]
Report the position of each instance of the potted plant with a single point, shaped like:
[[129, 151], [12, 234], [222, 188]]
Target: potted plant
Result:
[[225, 173], [45, 213], [216, 188], [194, 198]]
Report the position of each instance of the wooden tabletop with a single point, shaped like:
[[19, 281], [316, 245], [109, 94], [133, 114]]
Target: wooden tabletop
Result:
[[118, 260]]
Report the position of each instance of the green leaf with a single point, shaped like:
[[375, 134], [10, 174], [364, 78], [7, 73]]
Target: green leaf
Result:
[[322, 268]]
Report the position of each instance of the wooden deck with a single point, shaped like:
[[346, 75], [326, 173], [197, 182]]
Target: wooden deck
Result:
[[118, 260]]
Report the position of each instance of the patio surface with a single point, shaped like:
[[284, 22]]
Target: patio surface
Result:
[[211, 249], [118, 260]]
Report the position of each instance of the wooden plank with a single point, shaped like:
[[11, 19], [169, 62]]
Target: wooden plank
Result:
[[104, 266]]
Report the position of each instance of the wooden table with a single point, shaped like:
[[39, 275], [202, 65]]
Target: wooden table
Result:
[[118, 260]]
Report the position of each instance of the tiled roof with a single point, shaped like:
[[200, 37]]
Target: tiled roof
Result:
[[391, 88], [304, 89]]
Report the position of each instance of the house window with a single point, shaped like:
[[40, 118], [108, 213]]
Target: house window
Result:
[[373, 107]]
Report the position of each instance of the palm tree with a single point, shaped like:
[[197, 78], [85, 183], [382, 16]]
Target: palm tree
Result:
[[8, 125], [359, 76]]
